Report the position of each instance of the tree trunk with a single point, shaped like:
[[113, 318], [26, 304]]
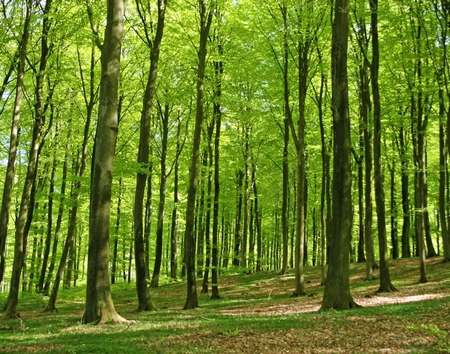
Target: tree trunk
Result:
[[75, 191], [394, 233], [208, 210], [162, 196], [99, 304], [218, 71], [174, 226], [237, 229], [28, 188], [258, 221], [116, 237], [140, 238], [244, 244], [385, 280], [14, 139], [200, 216], [48, 240], [443, 178], [58, 224], [419, 125], [286, 134], [206, 16], [337, 288], [406, 248]]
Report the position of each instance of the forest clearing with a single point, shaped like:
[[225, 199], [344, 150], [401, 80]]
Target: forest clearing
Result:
[[256, 314]]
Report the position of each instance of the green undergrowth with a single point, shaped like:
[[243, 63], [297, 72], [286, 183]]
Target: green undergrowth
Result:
[[256, 313]]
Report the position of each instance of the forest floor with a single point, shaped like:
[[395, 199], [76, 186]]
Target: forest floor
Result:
[[255, 314]]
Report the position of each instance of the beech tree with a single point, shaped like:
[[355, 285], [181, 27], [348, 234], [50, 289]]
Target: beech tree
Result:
[[13, 141], [153, 41], [337, 288], [99, 306], [38, 139], [206, 13]]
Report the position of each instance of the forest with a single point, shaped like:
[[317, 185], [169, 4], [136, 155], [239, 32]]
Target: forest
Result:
[[152, 141]]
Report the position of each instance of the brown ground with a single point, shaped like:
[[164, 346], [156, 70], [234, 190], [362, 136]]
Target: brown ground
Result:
[[428, 331]]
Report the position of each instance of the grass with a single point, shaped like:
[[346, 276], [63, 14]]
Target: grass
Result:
[[255, 314]]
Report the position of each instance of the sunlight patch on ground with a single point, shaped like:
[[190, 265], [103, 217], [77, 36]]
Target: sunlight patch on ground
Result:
[[390, 300], [309, 305]]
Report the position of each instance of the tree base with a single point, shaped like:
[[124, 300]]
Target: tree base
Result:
[[386, 288], [298, 294], [51, 309], [423, 279], [148, 307], [339, 306]]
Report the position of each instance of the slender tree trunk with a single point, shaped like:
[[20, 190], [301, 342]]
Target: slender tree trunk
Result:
[[141, 240], [75, 191], [385, 280], [258, 222], [116, 237], [299, 138], [206, 16], [237, 230], [443, 178], [218, 71], [419, 125], [208, 210], [325, 173], [394, 233], [27, 197], [244, 244], [200, 217], [162, 196], [48, 240], [218, 66], [14, 139], [287, 113], [58, 224], [174, 226], [406, 228]]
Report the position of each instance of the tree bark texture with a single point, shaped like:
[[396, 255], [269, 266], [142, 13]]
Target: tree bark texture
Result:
[[99, 306], [13, 141], [206, 16], [337, 288]]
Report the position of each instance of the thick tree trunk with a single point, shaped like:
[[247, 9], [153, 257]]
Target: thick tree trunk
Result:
[[337, 288], [99, 304]]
